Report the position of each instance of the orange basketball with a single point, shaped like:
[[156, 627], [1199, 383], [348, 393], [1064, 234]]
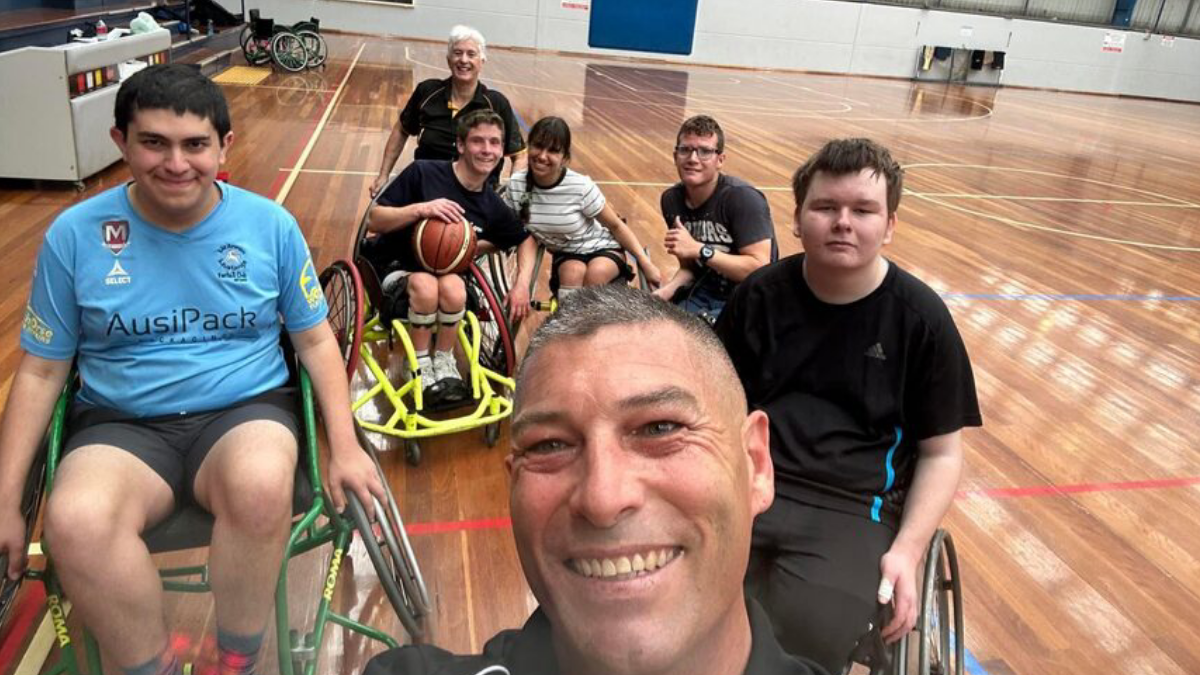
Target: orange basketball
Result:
[[444, 248]]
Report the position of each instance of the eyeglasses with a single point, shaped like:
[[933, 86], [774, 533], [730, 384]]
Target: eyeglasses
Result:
[[702, 153]]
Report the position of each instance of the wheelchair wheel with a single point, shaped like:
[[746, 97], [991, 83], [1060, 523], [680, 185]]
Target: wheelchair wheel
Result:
[[496, 345], [412, 452], [391, 553], [343, 293], [315, 45], [941, 650], [491, 434], [30, 502], [256, 52], [288, 52]]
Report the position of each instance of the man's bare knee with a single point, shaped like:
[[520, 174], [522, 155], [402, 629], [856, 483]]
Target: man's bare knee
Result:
[[423, 292], [452, 293], [248, 478]]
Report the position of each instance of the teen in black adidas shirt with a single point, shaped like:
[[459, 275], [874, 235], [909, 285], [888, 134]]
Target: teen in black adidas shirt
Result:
[[867, 385]]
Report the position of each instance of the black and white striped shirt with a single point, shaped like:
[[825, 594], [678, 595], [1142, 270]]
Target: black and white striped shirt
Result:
[[563, 217]]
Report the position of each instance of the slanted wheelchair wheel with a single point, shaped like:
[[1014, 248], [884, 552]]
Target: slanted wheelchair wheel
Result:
[[315, 45], [343, 293], [391, 553], [941, 650], [496, 345], [31, 500], [288, 52]]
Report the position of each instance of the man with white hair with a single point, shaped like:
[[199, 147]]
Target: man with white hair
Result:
[[435, 106]]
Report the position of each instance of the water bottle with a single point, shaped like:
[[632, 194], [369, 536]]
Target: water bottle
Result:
[[101, 29], [211, 32]]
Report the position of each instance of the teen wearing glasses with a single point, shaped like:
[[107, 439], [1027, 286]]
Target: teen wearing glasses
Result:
[[718, 226], [567, 213]]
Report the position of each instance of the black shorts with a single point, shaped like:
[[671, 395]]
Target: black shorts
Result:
[[174, 446], [624, 271], [816, 573]]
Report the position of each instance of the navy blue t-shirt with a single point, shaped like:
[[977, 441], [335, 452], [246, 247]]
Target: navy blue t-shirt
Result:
[[426, 180]]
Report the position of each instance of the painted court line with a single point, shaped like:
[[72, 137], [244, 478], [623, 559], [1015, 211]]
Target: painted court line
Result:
[[312, 141], [1070, 296]]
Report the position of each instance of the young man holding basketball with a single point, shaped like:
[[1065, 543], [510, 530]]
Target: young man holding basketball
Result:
[[448, 191], [867, 385]]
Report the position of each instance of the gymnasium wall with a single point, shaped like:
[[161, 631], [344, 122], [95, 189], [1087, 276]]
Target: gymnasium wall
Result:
[[815, 35]]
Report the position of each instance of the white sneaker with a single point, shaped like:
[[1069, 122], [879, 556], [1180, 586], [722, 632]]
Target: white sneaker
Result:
[[445, 366], [428, 371]]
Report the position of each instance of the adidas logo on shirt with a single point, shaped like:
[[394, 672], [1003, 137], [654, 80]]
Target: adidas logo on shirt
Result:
[[875, 351]]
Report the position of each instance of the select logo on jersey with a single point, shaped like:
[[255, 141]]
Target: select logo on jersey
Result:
[[115, 234], [117, 276], [232, 259], [309, 285], [36, 328], [184, 325]]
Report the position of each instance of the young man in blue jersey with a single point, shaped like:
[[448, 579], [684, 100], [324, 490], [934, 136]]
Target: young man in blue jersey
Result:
[[168, 293]]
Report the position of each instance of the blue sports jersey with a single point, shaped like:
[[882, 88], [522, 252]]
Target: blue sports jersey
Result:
[[171, 322]]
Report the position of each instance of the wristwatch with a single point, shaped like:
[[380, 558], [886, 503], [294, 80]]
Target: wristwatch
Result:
[[706, 253]]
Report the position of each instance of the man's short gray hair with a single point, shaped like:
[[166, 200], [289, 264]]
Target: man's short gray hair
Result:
[[592, 308], [460, 33]]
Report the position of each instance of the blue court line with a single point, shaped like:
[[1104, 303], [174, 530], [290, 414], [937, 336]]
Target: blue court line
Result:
[[1070, 296], [521, 122], [974, 667]]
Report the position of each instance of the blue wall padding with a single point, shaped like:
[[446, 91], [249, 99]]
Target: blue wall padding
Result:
[[659, 26]]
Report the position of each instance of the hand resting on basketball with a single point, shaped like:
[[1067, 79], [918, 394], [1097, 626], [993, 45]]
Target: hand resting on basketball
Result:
[[442, 209]]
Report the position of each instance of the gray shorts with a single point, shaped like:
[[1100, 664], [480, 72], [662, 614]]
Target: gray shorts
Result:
[[174, 446]]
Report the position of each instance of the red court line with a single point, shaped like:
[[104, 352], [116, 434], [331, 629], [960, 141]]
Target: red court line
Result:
[[459, 525], [1041, 490], [28, 608]]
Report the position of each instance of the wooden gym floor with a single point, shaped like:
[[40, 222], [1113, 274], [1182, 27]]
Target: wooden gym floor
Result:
[[1064, 231]]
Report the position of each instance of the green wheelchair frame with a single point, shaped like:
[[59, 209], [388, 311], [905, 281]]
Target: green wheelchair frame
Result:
[[484, 337], [386, 542]]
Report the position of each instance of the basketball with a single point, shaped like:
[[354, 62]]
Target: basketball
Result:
[[442, 247]]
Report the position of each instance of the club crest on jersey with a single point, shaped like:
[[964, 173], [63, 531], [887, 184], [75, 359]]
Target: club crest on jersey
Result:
[[232, 259], [115, 234]]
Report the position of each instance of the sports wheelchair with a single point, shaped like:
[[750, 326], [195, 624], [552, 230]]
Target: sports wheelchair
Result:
[[550, 304], [314, 524], [292, 48], [376, 345], [935, 646]]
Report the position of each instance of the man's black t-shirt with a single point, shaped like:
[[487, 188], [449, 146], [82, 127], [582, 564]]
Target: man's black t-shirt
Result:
[[428, 114], [530, 651], [849, 389], [733, 217], [426, 180]]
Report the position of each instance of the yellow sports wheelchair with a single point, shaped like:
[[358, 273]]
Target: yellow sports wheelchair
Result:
[[550, 303], [386, 383], [315, 524]]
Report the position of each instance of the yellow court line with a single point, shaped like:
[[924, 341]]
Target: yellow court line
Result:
[[279, 86], [1056, 230], [466, 561], [312, 141], [39, 647]]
